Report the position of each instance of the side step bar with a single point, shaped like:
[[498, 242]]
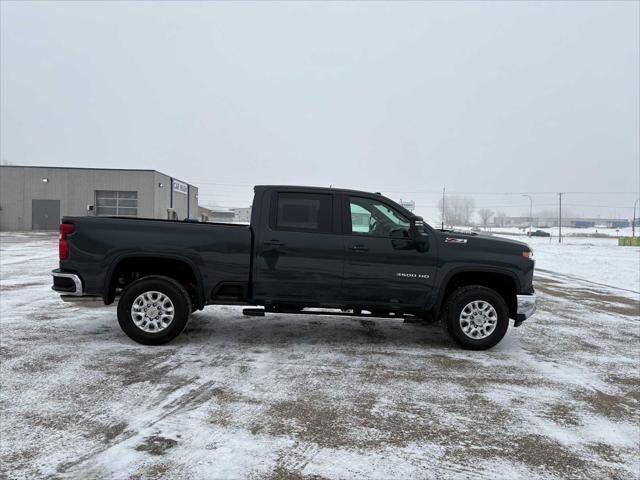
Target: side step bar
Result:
[[260, 312]]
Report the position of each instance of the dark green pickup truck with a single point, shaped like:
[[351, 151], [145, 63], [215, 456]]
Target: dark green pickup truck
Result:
[[306, 248]]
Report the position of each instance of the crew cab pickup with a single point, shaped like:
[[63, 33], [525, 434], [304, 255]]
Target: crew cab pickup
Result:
[[306, 248]]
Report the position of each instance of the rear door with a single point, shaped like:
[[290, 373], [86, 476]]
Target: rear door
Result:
[[382, 266], [299, 250]]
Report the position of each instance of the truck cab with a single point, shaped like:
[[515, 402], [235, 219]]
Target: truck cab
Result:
[[334, 248]]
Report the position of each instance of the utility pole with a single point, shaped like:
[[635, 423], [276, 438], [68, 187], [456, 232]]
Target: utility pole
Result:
[[560, 219], [443, 209], [633, 220], [530, 212]]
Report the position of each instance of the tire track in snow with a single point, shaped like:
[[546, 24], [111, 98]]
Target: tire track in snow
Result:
[[294, 459], [184, 402], [580, 279]]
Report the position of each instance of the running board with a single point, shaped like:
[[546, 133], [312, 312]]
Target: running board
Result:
[[259, 312]]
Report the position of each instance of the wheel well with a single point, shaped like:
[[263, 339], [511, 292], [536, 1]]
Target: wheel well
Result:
[[134, 268], [501, 283]]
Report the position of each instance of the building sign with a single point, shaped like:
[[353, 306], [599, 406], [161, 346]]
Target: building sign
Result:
[[180, 187], [408, 204]]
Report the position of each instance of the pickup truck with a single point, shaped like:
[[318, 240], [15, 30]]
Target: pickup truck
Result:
[[306, 249]]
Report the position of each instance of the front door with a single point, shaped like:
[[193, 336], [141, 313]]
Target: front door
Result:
[[45, 214], [382, 266], [299, 254]]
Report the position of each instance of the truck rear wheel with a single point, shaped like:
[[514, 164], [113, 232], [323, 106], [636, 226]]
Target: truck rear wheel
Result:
[[153, 310], [476, 317]]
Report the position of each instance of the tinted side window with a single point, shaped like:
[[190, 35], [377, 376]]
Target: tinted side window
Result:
[[304, 212]]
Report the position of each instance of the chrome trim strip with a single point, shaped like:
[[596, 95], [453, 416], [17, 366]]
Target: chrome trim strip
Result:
[[526, 305], [76, 280]]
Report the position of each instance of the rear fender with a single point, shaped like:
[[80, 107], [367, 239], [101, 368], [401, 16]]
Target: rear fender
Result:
[[108, 295]]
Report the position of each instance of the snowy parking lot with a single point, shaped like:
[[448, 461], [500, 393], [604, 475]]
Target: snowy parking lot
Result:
[[292, 397]]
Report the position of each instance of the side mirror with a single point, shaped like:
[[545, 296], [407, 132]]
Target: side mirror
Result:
[[418, 235]]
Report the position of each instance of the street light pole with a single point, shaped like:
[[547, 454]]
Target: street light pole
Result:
[[530, 211]]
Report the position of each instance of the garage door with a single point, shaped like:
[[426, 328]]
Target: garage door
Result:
[[45, 214]]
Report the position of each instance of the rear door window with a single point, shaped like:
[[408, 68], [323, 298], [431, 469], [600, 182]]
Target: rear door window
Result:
[[305, 212]]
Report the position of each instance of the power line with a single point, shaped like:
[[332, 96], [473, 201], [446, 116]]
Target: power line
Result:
[[213, 198], [439, 193]]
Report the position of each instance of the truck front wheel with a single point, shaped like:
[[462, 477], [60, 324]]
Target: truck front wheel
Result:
[[476, 317], [153, 310]]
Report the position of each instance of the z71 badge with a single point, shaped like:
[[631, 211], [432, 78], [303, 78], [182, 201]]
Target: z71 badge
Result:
[[455, 240]]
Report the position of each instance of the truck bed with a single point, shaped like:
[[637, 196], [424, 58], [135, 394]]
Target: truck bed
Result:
[[219, 253]]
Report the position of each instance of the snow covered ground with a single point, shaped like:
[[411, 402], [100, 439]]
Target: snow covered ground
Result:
[[598, 260], [284, 397]]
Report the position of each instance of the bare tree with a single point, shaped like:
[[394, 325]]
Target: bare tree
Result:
[[499, 219], [485, 215], [457, 210]]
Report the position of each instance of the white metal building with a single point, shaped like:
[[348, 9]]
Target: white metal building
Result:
[[243, 215]]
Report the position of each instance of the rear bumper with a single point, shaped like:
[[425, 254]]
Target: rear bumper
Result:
[[66, 283], [69, 286], [526, 307]]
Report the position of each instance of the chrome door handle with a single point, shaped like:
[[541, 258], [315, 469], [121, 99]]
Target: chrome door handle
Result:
[[359, 248]]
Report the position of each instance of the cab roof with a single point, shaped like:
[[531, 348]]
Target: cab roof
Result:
[[262, 188], [318, 189]]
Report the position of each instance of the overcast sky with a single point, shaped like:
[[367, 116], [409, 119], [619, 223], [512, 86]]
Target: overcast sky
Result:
[[403, 98]]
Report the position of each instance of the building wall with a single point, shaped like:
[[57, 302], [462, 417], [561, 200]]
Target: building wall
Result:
[[243, 215], [161, 203], [178, 203], [75, 189], [215, 215]]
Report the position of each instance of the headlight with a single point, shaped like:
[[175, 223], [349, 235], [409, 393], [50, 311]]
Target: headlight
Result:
[[527, 253]]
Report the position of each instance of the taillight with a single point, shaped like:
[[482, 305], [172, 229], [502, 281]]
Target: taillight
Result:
[[63, 248]]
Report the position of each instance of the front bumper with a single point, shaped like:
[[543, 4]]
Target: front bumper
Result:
[[526, 307]]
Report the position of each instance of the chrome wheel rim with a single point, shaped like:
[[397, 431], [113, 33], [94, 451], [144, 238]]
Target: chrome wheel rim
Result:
[[478, 319], [152, 311]]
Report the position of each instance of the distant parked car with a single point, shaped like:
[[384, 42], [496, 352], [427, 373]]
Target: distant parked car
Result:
[[539, 233]]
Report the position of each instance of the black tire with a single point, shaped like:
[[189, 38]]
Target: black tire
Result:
[[165, 285], [462, 297]]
